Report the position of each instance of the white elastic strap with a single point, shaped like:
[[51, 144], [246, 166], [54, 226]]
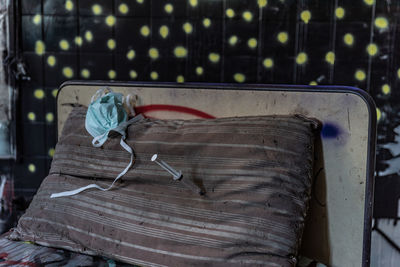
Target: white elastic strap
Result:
[[95, 140], [77, 191], [130, 103]]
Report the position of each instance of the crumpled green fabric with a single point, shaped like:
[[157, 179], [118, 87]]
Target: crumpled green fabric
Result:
[[105, 114]]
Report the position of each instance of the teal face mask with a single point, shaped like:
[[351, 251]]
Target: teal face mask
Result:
[[106, 114]]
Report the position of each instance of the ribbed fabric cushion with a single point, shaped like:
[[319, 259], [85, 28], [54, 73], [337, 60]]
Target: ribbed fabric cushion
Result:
[[256, 172]]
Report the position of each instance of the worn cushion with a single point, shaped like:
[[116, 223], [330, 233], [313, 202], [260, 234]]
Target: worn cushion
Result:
[[256, 172]]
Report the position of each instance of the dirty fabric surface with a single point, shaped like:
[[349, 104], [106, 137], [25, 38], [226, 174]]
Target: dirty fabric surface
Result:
[[256, 172], [17, 253]]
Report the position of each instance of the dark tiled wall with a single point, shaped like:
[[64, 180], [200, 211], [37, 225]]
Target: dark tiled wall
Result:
[[353, 43]]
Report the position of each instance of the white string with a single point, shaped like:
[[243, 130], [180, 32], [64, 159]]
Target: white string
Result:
[[95, 140], [130, 103], [77, 191], [123, 126]]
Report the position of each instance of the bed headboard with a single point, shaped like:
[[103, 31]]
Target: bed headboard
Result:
[[338, 230]]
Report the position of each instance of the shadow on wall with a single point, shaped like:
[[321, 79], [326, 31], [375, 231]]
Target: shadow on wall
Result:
[[315, 241]]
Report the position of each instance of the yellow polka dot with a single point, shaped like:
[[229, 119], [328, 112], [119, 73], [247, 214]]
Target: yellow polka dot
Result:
[[51, 61], [360, 75], [386, 89], [193, 3], [378, 114], [381, 23], [131, 54], [247, 16], [51, 152], [112, 74], [180, 79], [187, 27], [282, 37], [133, 74], [206, 22], [54, 92], [140, 1], [111, 44], [348, 39], [69, 5], [252, 43], [262, 3], [164, 31], [37, 19], [32, 167], [40, 47], [340, 12], [68, 72], [145, 31], [268, 63], [110, 20], [88, 36], [199, 70], [97, 9], [169, 8], [123, 8], [64, 45], [330, 57], [78, 40], [230, 13], [180, 52], [233, 40], [301, 58], [239, 77], [85, 73], [154, 75], [398, 73], [305, 16], [213, 57], [369, 2], [38, 93], [31, 116], [313, 83], [372, 49], [49, 117], [153, 53]]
